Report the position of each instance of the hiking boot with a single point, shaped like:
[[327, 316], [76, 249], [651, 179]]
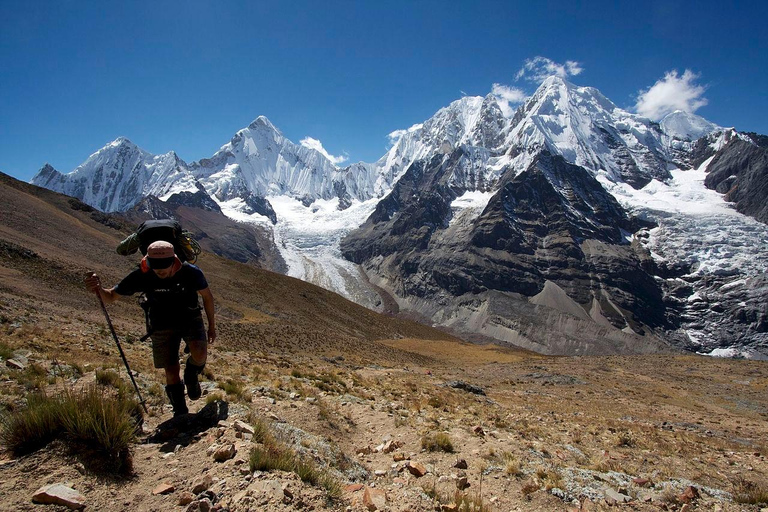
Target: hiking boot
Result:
[[191, 371], [175, 394]]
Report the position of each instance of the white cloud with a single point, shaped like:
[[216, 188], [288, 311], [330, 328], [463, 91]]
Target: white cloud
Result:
[[507, 98], [671, 93], [309, 142], [539, 68]]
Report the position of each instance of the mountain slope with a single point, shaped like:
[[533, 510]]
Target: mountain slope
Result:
[[50, 242]]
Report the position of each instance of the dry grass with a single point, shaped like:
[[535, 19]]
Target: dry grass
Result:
[[272, 455], [98, 423], [750, 492], [439, 442]]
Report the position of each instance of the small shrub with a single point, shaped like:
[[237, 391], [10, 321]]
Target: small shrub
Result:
[[108, 378], [436, 402], [469, 503], [213, 397], [233, 388], [28, 429], [511, 464], [625, 438], [260, 431], [529, 487], [748, 492], [437, 442], [6, 352]]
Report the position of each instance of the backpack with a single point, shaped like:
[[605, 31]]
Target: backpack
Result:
[[168, 230]]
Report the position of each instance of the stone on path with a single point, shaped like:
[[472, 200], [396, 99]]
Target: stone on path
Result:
[[59, 494], [374, 499], [616, 496], [416, 469], [245, 428], [163, 488], [689, 494], [185, 498], [13, 363], [225, 453], [201, 484]]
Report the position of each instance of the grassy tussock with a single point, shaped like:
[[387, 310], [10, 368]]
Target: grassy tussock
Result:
[[440, 442], [274, 455], [464, 502], [98, 426], [748, 492]]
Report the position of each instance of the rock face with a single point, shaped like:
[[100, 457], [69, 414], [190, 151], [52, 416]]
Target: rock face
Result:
[[740, 171], [552, 223]]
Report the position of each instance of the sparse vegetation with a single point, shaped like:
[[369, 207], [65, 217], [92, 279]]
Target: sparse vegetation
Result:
[[233, 388], [6, 352], [107, 377], [511, 464], [625, 438], [749, 492], [100, 423], [437, 442], [274, 455]]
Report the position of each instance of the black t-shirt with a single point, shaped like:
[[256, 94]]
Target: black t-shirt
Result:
[[172, 301]]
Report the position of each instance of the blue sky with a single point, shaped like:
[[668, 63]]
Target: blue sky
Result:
[[185, 76]]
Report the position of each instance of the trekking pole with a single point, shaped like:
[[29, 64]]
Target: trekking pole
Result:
[[120, 348]]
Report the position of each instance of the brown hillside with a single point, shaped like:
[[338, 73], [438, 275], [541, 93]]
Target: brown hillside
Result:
[[383, 413]]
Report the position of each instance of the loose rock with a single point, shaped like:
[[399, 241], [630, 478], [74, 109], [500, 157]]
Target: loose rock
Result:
[[374, 499], [202, 484], [225, 453], [59, 494], [416, 469]]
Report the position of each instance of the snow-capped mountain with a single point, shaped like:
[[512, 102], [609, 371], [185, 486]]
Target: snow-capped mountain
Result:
[[119, 175], [259, 161], [477, 221]]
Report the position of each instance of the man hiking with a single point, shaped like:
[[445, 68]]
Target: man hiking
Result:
[[171, 288]]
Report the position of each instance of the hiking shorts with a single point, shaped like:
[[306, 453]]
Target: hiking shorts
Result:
[[166, 342]]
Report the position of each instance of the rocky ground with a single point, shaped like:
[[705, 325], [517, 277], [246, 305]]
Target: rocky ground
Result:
[[438, 425]]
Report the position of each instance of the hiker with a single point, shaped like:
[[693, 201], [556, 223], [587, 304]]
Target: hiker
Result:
[[171, 288]]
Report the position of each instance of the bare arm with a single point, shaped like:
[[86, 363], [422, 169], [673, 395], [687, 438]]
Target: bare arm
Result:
[[208, 306], [93, 284]]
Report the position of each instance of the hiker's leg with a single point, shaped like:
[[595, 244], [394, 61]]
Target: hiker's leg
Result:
[[198, 355], [173, 374], [198, 351], [165, 355]]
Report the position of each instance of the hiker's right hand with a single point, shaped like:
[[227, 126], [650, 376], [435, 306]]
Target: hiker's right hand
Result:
[[93, 283]]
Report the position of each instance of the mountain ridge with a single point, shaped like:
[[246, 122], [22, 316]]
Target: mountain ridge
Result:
[[456, 161]]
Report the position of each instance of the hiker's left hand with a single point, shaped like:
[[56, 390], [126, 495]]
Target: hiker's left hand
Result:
[[211, 335]]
